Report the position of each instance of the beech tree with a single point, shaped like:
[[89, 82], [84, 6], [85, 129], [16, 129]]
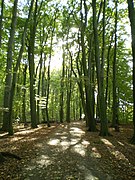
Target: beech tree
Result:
[[1, 20], [102, 109], [8, 79], [94, 78], [131, 11]]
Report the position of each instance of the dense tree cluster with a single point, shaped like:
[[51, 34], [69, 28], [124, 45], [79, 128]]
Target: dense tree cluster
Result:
[[89, 39]]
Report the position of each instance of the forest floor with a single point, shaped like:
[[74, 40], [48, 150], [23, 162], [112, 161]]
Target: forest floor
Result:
[[68, 152]]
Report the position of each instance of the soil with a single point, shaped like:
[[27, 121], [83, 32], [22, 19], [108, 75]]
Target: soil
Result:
[[68, 152]]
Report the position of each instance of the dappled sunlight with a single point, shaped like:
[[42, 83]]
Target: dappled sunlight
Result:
[[54, 142], [63, 137], [76, 123], [3, 134], [87, 173], [43, 160], [65, 145], [120, 143], [76, 131], [80, 149], [40, 162], [85, 143], [28, 139], [39, 145], [28, 131], [108, 143], [90, 177], [74, 141], [95, 153], [117, 154], [16, 139], [61, 133]]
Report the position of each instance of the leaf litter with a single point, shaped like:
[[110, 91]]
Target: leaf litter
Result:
[[68, 152]]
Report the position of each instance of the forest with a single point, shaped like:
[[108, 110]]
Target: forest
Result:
[[67, 70]]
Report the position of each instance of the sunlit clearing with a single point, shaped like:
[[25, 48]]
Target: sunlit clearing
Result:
[[108, 143], [43, 161], [54, 142], [76, 131], [80, 149], [95, 153]]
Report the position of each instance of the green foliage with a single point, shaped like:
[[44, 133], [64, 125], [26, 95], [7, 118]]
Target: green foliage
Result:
[[66, 20]]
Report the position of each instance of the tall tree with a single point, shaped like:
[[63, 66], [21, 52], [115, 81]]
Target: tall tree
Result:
[[62, 87], [88, 88], [1, 19], [131, 10], [102, 109], [8, 79], [24, 95], [31, 50], [115, 103], [16, 69]]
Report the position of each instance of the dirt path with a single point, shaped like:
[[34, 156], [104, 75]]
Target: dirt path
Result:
[[65, 154]]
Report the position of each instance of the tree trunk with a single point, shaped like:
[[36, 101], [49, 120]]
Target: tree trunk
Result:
[[24, 96], [69, 85], [16, 69], [62, 90], [88, 90], [7, 90], [43, 90], [1, 19], [32, 68], [115, 108], [39, 84], [131, 11], [108, 69], [102, 109]]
